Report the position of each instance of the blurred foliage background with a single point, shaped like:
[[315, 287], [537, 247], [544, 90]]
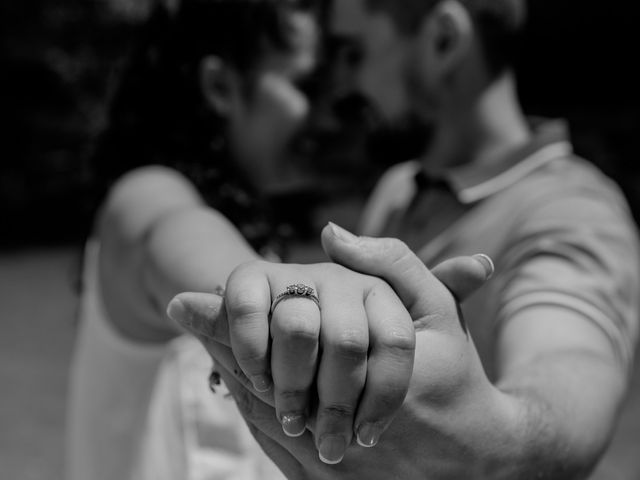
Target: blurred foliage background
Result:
[[61, 59]]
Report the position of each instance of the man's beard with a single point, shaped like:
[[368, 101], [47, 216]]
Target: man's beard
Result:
[[350, 143], [401, 139]]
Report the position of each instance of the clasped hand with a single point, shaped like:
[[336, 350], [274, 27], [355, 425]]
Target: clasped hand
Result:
[[337, 370]]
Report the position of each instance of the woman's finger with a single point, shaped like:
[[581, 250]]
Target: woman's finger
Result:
[[389, 366], [286, 452], [247, 301], [343, 367], [295, 330], [202, 314]]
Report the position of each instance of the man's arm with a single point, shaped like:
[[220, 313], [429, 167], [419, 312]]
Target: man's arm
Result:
[[548, 416], [567, 322], [566, 385], [563, 364]]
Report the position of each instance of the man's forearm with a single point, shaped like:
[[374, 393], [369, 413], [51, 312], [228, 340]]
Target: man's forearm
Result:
[[566, 406], [550, 418]]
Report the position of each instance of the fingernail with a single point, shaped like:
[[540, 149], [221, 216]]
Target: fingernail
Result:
[[343, 234], [176, 311], [487, 263], [179, 313], [261, 383], [331, 449], [293, 424], [368, 435]]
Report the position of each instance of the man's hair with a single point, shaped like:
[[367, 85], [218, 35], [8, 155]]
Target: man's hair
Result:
[[499, 23]]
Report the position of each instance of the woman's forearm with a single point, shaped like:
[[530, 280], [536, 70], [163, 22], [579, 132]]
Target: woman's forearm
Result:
[[192, 250], [158, 238]]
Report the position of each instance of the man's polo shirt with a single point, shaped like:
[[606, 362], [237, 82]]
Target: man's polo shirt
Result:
[[559, 232]]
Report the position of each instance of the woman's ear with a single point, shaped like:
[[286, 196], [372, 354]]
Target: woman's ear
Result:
[[219, 84], [447, 36]]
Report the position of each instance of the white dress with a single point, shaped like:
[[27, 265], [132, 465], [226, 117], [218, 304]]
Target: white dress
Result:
[[145, 412]]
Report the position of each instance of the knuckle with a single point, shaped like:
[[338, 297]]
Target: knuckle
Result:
[[402, 257], [386, 402], [351, 344], [395, 248], [385, 409], [249, 356], [380, 287], [338, 411], [292, 394], [398, 339], [251, 361], [296, 328], [243, 305], [402, 260]]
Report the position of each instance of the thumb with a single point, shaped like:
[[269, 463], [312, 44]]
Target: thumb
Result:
[[464, 275], [421, 292], [390, 259], [201, 314]]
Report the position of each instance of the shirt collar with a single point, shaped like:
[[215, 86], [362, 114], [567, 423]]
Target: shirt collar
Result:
[[471, 183]]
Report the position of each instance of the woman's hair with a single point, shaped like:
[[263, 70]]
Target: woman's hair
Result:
[[158, 114]]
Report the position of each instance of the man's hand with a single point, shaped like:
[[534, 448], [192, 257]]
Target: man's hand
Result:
[[351, 304]]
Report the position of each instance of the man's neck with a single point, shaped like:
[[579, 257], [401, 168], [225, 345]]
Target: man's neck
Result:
[[481, 132]]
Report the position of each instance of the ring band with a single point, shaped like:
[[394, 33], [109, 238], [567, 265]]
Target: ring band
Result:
[[298, 290]]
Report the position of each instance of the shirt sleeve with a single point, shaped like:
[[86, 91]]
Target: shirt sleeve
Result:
[[578, 250]]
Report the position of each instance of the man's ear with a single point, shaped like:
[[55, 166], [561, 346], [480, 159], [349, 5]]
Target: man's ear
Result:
[[218, 83], [447, 35]]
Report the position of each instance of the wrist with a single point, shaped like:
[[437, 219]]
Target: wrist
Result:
[[479, 428], [500, 436], [531, 443], [500, 440]]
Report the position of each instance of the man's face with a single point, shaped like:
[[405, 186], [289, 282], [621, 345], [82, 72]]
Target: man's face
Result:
[[379, 56], [265, 121]]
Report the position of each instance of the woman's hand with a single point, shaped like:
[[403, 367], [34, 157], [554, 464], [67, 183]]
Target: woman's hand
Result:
[[340, 368]]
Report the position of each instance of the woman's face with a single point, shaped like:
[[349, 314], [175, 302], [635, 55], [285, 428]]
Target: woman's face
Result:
[[263, 122]]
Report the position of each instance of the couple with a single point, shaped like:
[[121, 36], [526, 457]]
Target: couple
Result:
[[524, 379]]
